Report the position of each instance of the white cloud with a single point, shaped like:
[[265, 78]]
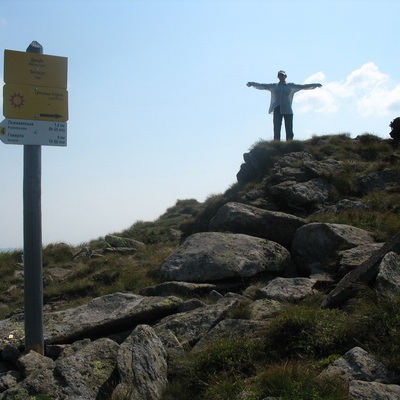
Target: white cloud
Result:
[[380, 102], [366, 90]]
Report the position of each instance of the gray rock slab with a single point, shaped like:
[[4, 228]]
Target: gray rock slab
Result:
[[213, 256], [102, 316], [189, 327], [288, 289], [142, 365], [360, 390], [316, 246], [272, 225]]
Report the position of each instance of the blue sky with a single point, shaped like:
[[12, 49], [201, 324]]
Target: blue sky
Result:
[[158, 104]]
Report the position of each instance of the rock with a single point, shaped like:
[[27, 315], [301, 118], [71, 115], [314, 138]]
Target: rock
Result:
[[272, 225], [9, 379], [231, 329], [178, 289], [300, 195], [105, 315], [31, 362], [302, 167], [316, 246], [120, 242], [102, 316], [388, 278], [342, 205], [10, 354], [354, 257], [215, 296], [83, 375], [42, 381], [212, 256], [357, 364], [142, 365], [264, 309], [189, 327], [190, 305], [89, 372], [288, 289], [360, 390], [363, 274], [256, 161], [379, 180]]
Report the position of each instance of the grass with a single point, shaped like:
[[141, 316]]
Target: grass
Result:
[[85, 278], [297, 381], [286, 360]]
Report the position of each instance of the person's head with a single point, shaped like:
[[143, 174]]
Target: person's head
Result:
[[282, 76]]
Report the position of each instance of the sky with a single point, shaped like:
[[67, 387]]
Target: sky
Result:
[[158, 104]]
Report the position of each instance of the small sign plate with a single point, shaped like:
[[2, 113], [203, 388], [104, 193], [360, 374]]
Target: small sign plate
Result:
[[35, 102], [28, 132], [35, 69]]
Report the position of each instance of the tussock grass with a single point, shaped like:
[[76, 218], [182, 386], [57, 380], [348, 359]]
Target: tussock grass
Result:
[[297, 381]]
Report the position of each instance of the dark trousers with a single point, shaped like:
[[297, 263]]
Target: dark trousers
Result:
[[278, 124]]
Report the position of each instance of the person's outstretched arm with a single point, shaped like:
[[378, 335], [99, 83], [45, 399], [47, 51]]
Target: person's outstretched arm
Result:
[[260, 86], [308, 86]]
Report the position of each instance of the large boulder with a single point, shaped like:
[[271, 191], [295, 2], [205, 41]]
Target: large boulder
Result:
[[272, 225], [317, 246], [214, 256], [142, 366]]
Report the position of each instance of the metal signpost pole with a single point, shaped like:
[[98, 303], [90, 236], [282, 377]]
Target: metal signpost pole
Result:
[[33, 275]]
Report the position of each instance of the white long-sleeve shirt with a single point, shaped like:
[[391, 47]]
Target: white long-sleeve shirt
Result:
[[282, 94]]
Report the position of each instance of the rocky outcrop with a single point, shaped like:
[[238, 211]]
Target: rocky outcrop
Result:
[[120, 345], [228, 282]]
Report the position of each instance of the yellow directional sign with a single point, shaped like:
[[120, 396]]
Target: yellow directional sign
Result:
[[35, 102], [35, 69]]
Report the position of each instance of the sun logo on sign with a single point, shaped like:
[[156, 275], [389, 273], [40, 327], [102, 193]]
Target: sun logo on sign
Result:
[[17, 100]]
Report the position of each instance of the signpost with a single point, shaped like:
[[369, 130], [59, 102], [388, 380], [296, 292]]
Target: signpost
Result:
[[35, 105]]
